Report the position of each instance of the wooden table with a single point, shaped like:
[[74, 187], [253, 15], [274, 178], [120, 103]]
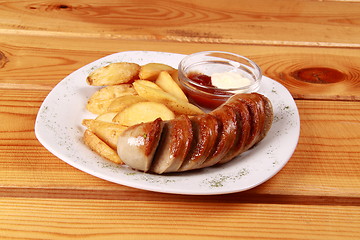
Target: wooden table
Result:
[[297, 43]]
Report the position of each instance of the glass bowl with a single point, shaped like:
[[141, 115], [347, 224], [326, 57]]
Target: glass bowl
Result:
[[231, 72]]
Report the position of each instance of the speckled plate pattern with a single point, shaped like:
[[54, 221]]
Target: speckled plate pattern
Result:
[[58, 128]]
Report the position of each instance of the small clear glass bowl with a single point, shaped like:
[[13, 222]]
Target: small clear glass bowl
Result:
[[210, 62]]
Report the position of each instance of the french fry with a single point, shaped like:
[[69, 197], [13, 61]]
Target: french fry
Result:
[[167, 83], [174, 104], [100, 147], [151, 71], [107, 132], [114, 73], [101, 99], [120, 103], [143, 112]]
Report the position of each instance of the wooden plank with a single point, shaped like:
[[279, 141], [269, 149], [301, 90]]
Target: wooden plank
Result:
[[326, 162], [105, 219], [328, 149], [41, 62], [298, 22]]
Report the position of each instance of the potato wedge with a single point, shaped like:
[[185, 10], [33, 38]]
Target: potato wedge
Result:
[[174, 104], [100, 147], [149, 83], [167, 83], [143, 112], [113, 74], [175, 77], [101, 99], [120, 103], [151, 71], [108, 132], [106, 117]]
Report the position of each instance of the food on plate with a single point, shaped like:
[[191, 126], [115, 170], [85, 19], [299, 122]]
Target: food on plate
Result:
[[176, 105], [107, 132], [151, 71], [100, 147], [168, 84], [148, 83], [101, 99], [205, 134], [113, 74], [148, 123], [140, 143], [217, 137], [177, 137], [120, 103], [143, 112], [106, 117]]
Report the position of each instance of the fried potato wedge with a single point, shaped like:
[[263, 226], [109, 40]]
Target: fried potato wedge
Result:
[[101, 99], [100, 147], [167, 83], [160, 96], [175, 76], [151, 71], [143, 112], [120, 103], [149, 84], [106, 117], [113, 74], [107, 132]]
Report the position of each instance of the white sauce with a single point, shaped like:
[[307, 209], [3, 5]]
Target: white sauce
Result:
[[226, 80]]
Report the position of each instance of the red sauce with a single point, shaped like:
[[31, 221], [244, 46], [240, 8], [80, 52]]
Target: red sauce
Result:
[[203, 99], [201, 79]]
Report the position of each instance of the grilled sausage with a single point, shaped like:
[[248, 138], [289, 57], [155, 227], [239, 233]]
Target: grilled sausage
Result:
[[184, 143]]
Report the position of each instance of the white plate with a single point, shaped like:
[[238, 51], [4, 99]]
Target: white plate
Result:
[[58, 127]]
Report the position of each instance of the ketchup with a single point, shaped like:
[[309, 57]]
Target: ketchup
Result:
[[202, 99], [201, 79]]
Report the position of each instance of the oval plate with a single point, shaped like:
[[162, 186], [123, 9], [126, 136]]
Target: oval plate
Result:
[[58, 128]]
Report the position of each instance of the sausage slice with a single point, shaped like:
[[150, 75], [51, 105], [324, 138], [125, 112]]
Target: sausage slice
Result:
[[205, 131], [175, 144], [137, 144]]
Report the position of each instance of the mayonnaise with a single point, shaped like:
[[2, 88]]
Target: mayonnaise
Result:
[[226, 80]]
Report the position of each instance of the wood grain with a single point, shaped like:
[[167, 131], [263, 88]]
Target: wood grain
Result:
[[41, 62], [104, 219], [278, 22]]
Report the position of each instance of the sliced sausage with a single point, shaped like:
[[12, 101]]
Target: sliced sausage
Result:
[[175, 144], [137, 144], [205, 131], [228, 134]]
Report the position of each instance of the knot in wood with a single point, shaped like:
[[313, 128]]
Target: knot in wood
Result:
[[320, 75], [3, 60]]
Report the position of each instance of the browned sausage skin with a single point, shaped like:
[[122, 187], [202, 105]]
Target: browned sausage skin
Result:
[[243, 129], [205, 129], [228, 134], [176, 139], [184, 143]]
